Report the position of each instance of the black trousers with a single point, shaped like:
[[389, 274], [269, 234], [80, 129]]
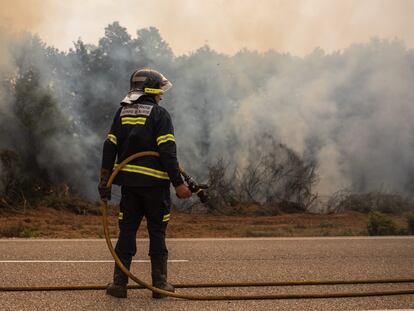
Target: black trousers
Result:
[[136, 202]]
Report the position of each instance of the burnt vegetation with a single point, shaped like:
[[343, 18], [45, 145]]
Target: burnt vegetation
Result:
[[277, 180], [369, 202]]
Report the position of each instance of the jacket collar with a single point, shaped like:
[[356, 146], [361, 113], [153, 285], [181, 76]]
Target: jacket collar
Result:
[[137, 96]]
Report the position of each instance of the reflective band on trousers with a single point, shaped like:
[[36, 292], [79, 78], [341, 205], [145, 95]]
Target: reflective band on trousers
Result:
[[166, 218], [133, 120], [112, 138], [165, 138], [144, 170]]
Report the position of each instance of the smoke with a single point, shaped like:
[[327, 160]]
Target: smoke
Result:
[[350, 111], [6, 71], [38, 121]]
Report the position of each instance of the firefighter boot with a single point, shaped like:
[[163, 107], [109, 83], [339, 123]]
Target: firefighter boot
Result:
[[159, 275], [119, 286]]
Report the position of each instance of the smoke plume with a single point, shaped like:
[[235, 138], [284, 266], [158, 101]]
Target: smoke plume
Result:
[[351, 111]]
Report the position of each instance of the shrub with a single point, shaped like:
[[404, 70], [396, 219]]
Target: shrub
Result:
[[9, 180], [389, 203], [277, 178], [402, 231], [19, 231], [380, 224], [221, 190], [70, 203], [410, 221]]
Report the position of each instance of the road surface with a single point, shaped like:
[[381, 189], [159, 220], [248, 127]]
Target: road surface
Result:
[[82, 262]]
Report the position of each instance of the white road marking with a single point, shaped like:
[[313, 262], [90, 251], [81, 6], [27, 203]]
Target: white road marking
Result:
[[80, 261]]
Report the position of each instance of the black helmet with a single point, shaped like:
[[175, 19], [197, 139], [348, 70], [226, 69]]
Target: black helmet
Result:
[[149, 81]]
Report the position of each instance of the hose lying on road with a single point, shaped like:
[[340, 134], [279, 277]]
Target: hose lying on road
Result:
[[142, 284]]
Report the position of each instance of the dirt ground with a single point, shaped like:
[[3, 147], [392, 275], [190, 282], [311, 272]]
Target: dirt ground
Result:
[[52, 223]]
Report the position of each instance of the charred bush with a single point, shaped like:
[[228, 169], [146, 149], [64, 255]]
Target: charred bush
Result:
[[222, 187], [335, 201], [278, 179], [10, 178], [18, 187], [281, 178], [291, 207], [70, 203], [388, 203]]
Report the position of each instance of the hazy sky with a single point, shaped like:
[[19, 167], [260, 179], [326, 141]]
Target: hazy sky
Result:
[[296, 26]]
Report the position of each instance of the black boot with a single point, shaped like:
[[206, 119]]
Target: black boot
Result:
[[159, 275], [119, 287]]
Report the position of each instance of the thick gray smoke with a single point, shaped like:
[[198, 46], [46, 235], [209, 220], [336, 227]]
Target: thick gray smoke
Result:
[[351, 111]]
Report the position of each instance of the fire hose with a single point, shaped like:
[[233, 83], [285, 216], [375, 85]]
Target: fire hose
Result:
[[143, 285]]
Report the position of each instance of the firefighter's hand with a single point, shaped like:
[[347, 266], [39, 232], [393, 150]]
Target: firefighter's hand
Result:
[[104, 191], [183, 192]]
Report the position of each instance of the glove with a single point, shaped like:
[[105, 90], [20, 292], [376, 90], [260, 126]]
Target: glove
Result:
[[104, 191]]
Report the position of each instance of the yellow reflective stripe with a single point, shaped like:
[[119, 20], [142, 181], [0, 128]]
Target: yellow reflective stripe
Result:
[[149, 90], [166, 217], [133, 120], [112, 138], [121, 216], [144, 170], [165, 138]]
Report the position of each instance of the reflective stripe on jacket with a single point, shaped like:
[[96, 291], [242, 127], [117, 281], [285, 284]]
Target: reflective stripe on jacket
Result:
[[142, 126]]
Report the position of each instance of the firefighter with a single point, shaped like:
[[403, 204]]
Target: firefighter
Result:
[[140, 124]]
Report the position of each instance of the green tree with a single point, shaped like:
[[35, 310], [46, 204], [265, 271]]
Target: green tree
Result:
[[152, 48]]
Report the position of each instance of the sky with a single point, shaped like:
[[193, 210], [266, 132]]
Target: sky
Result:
[[294, 26]]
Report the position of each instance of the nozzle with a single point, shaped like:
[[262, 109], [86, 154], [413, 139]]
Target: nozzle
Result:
[[202, 195], [196, 188]]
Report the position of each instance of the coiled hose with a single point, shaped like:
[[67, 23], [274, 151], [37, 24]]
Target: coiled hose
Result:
[[104, 206]]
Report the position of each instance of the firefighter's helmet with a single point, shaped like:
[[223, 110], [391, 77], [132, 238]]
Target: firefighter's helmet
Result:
[[149, 81]]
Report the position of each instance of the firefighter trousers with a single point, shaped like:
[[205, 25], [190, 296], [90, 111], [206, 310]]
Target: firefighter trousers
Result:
[[136, 202]]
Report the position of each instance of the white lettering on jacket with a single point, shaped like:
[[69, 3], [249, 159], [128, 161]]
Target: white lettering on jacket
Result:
[[136, 110]]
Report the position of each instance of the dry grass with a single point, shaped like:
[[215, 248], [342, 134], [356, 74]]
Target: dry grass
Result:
[[51, 223]]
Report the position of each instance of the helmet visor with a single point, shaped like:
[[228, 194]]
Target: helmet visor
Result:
[[165, 84]]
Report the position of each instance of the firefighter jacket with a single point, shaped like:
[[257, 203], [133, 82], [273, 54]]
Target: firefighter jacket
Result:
[[142, 125]]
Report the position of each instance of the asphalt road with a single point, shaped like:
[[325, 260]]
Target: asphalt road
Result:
[[83, 262]]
